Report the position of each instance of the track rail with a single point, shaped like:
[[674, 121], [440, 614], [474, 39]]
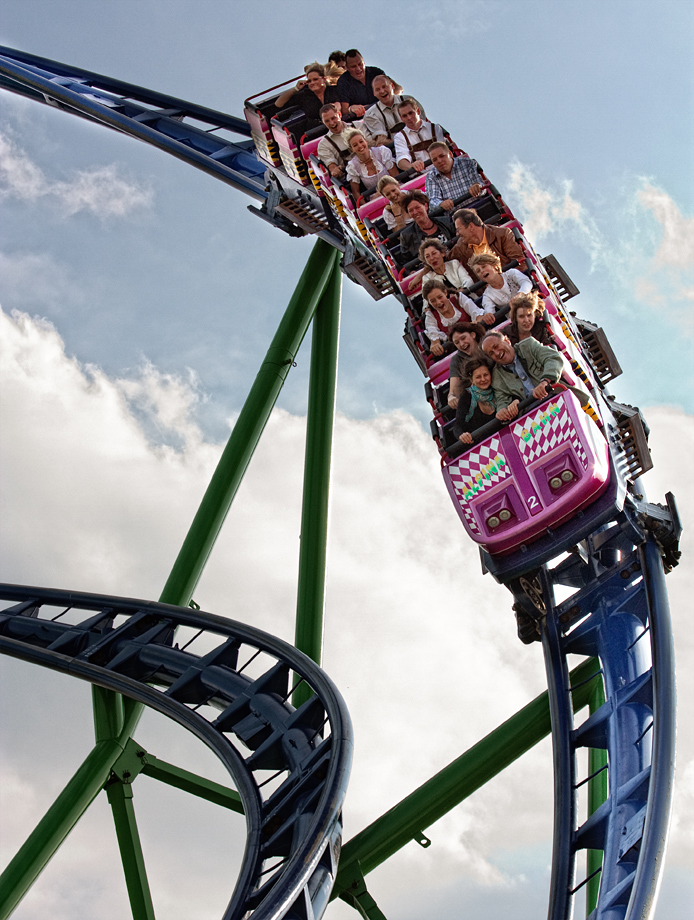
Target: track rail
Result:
[[619, 614], [152, 117], [290, 766]]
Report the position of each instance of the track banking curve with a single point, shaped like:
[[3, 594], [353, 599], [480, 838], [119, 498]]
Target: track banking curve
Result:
[[593, 585]]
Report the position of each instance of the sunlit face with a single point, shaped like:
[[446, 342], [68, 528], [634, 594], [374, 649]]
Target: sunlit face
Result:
[[358, 145], [486, 272], [331, 119], [481, 378], [438, 300], [499, 349], [466, 232], [410, 116], [392, 192], [434, 258], [525, 319], [383, 90], [418, 212], [315, 82], [355, 66], [465, 342], [442, 160]]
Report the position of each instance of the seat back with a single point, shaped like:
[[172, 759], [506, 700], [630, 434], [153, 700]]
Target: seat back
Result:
[[261, 132]]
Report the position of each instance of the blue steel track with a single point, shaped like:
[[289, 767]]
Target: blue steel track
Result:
[[617, 612]]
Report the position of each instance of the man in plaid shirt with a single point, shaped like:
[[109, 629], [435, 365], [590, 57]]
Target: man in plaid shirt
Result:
[[450, 177]]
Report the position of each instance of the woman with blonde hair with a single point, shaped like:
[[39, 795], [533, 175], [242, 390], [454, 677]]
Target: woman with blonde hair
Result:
[[394, 214], [501, 286], [368, 164]]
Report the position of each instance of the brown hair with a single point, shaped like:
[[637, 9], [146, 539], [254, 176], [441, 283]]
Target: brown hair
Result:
[[315, 68], [414, 196], [476, 329], [439, 145], [532, 300], [434, 284], [473, 363], [426, 244], [468, 216], [328, 107], [409, 100]]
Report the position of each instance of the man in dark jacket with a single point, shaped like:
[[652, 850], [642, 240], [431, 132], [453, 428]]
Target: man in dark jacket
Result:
[[416, 205]]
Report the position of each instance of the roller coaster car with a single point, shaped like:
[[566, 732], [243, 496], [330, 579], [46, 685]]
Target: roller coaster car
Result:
[[529, 476]]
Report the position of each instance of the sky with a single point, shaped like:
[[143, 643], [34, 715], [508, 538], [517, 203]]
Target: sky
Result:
[[139, 297]]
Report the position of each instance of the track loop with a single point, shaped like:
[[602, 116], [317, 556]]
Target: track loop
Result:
[[230, 685]]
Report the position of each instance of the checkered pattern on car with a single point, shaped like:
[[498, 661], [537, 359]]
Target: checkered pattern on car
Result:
[[474, 463], [557, 429], [469, 517]]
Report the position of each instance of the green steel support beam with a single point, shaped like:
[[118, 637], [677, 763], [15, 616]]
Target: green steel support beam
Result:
[[116, 718], [116, 724], [356, 894], [249, 426], [597, 794], [319, 440], [120, 797], [406, 820], [135, 760], [190, 782]]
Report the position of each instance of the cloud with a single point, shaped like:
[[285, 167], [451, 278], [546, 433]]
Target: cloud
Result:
[[101, 478], [99, 190], [669, 274], [544, 210], [453, 19], [647, 257]]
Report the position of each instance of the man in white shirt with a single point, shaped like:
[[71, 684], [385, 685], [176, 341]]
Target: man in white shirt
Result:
[[413, 142], [381, 118], [333, 150]]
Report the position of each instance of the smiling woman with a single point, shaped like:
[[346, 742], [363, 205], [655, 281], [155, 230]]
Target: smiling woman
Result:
[[369, 164], [310, 94]]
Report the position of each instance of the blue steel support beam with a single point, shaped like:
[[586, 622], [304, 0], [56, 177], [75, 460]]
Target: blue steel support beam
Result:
[[127, 90], [233, 163]]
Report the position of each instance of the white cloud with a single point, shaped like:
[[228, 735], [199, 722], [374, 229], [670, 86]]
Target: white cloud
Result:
[[453, 19], [98, 190], [544, 209], [669, 275], [420, 644], [650, 256], [677, 246]]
